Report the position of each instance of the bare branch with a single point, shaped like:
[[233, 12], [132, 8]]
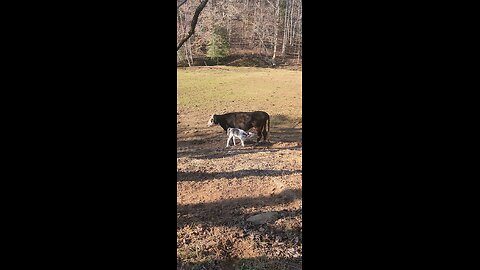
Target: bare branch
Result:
[[193, 24], [180, 3], [271, 4]]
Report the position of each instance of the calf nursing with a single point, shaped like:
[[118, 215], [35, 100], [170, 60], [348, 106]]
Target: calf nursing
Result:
[[233, 133], [245, 121]]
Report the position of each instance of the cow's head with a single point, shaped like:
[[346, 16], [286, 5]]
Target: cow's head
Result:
[[250, 134], [211, 122]]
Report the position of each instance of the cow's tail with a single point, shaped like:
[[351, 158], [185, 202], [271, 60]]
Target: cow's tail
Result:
[[268, 129]]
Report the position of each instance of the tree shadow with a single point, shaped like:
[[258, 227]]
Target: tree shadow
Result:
[[202, 176], [222, 152], [230, 212], [196, 140], [283, 119], [210, 146], [262, 262], [286, 135]]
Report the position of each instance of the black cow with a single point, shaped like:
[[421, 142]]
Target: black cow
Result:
[[245, 121]]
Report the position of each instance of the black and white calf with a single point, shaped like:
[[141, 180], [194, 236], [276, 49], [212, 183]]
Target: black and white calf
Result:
[[233, 133]]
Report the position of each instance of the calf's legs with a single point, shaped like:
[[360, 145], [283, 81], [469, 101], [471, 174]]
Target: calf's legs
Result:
[[228, 140]]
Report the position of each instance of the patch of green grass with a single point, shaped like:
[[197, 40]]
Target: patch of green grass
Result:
[[225, 89]]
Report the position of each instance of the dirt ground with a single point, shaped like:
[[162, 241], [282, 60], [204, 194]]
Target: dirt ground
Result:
[[219, 188]]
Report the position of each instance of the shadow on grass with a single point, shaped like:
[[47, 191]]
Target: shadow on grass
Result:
[[202, 176], [255, 263], [196, 140], [211, 146], [221, 152], [230, 212], [284, 120], [286, 135]]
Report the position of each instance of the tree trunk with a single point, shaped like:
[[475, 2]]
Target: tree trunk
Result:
[[297, 21], [254, 25], [285, 29], [292, 32], [189, 49], [186, 55], [275, 33], [181, 16]]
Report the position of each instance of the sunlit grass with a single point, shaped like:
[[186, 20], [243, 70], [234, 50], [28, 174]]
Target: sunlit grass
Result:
[[225, 89]]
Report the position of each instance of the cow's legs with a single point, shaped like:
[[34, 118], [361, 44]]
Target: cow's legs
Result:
[[259, 134], [264, 133], [242, 142]]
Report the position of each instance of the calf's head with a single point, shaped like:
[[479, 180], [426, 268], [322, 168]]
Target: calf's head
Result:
[[211, 122]]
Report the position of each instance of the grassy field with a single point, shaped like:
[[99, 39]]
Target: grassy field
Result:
[[225, 89], [219, 188]]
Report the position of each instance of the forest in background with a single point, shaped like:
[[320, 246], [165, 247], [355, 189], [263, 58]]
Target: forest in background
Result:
[[264, 33]]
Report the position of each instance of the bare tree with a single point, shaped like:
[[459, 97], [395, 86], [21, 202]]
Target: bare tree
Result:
[[276, 8], [285, 25], [193, 23]]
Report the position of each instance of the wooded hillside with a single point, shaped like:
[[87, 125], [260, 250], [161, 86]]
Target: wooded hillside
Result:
[[241, 33]]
